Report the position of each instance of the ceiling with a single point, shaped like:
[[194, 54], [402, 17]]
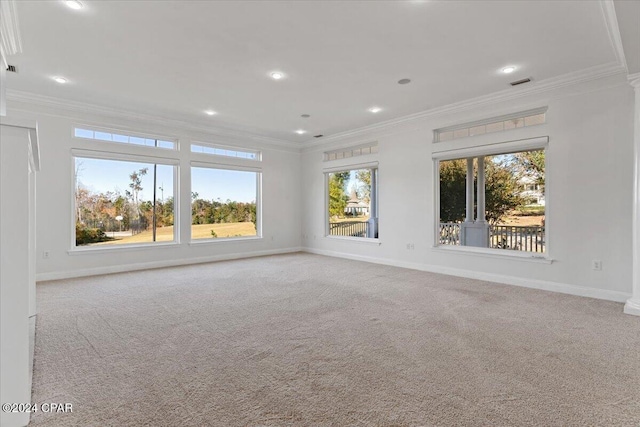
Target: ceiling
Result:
[[178, 58]]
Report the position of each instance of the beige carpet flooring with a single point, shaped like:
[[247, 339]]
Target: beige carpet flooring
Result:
[[307, 340]]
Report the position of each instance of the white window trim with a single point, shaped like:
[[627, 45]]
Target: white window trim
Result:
[[258, 172], [125, 157], [225, 165], [539, 143], [81, 250], [493, 148], [223, 240], [493, 253], [350, 167], [105, 155], [360, 240], [346, 168]]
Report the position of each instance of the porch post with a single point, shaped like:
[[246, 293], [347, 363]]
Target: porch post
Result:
[[633, 304], [469, 217], [481, 199], [373, 206]]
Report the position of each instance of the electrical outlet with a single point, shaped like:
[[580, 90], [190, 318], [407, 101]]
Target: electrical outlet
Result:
[[410, 246], [46, 254], [596, 264]]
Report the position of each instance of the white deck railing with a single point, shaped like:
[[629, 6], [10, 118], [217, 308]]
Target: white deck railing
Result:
[[512, 237], [449, 233]]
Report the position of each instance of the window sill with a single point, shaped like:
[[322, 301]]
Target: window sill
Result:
[[219, 240], [363, 240], [131, 247], [494, 253]]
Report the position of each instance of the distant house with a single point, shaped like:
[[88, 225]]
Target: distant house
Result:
[[532, 190], [355, 206]]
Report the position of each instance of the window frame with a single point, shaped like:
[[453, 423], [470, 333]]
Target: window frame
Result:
[[223, 157], [231, 167], [354, 151], [346, 168], [124, 157], [530, 144], [128, 133], [464, 130]]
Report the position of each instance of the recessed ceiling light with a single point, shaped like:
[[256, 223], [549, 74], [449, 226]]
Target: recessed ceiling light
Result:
[[301, 131], [375, 109], [74, 4], [277, 75], [404, 81], [210, 113], [508, 70], [60, 80]]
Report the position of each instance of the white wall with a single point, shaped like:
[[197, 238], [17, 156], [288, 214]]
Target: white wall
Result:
[[14, 272], [589, 173], [589, 180], [281, 219]]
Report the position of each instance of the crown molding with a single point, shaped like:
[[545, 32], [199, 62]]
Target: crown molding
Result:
[[611, 22], [10, 40], [542, 86], [60, 104]]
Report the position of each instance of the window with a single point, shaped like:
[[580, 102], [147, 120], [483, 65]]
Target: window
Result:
[[352, 209], [496, 124], [127, 195], [494, 201], [224, 203], [123, 138], [345, 153], [119, 202], [226, 152]]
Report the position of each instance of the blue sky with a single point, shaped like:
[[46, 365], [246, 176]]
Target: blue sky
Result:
[[211, 184], [101, 176]]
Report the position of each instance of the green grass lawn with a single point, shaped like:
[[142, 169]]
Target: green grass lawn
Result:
[[199, 231], [531, 210], [350, 219]]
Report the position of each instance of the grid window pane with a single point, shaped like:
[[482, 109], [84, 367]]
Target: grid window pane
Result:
[[495, 127], [538, 119], [461, 133], [122, 138], [215, 151], [477, 130]]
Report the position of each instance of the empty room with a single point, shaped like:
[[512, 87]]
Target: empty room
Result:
[[320, 213]]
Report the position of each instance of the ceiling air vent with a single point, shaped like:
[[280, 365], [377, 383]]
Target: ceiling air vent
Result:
[[520, 82], [12, 69], [318, 136]]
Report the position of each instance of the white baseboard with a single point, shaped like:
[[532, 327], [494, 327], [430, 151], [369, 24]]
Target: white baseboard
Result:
[[632, 307], [563, 288], [57, 275]]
